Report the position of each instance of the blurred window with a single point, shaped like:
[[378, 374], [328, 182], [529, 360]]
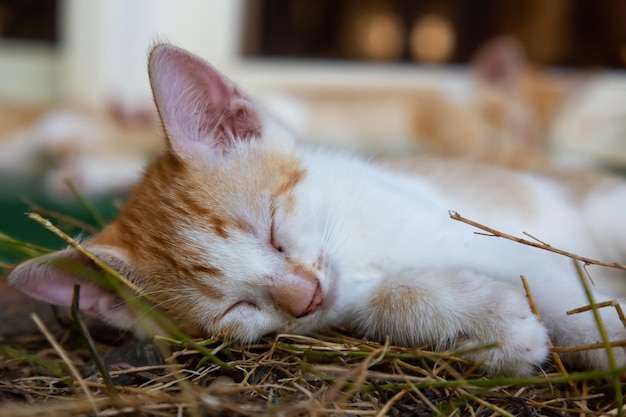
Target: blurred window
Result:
[[567, 33], [29, 20]]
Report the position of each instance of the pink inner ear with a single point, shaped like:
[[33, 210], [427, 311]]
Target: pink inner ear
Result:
[[59, 289], [42, 281], [198, 104]]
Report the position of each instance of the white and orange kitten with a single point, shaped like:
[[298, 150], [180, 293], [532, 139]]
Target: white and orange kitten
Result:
[[236, 230]]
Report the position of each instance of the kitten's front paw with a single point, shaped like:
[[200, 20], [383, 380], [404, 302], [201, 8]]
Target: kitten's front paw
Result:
[[521, 344], [488, 322]]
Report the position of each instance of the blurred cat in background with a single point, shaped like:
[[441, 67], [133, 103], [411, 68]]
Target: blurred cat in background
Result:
[[100, 152], [502, 112], [499, 113]]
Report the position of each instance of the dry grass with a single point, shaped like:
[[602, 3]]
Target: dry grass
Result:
[[52, 374], [288, 375]]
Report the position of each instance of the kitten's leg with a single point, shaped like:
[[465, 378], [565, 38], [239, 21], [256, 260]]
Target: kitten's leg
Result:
[[581, 328], [603, 212], [457, 309]]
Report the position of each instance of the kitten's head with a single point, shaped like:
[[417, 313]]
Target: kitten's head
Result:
[[209, 234]]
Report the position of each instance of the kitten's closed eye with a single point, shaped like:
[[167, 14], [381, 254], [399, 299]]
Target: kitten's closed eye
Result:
[[238, 307], [240, 311], [274, 238]]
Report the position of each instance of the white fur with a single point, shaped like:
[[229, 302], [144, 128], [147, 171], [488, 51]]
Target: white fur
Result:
[[380, 231], [388, 228], [380, 244]]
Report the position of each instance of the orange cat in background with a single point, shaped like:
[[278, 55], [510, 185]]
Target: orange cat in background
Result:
[[501, 113]]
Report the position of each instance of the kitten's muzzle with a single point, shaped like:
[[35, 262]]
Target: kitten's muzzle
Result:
[[316, 302], [298, 294]]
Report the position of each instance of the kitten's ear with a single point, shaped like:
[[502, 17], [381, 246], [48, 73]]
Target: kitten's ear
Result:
[[52, 277], [500, 62], [197, 104]]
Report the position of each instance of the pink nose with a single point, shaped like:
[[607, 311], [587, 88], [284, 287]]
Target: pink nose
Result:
[[298, 294]]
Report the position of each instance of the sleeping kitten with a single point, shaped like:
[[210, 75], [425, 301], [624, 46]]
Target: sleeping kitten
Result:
[[236, 230]]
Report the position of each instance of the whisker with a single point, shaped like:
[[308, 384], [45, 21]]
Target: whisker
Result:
[[137, 297], [146, 313], [330, 237]]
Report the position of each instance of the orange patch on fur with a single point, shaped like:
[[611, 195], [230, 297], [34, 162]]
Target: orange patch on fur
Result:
[[319, 262], [212, 198], [290, 173], [298, 269], [389, 299], [209, 292]]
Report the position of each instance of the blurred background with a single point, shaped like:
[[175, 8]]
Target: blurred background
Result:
[[525, 84], [53, 50]]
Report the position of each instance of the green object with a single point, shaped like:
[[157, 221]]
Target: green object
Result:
[[15, 198]]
